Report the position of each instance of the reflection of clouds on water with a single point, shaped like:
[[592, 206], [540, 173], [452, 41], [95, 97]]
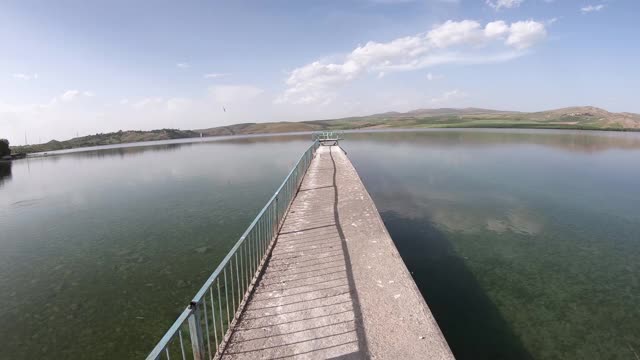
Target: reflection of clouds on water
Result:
[[523, 221], [463, 217], [464, 212], [455, 220], [517, 220]]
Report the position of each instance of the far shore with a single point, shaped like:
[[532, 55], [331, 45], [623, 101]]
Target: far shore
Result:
[[292, 133], [572, 118]]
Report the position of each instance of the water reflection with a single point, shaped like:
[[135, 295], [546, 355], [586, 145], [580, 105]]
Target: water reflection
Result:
[[100, 250], [165, 145], [578, 141], [524, 243], [472, 323], [5, 172]]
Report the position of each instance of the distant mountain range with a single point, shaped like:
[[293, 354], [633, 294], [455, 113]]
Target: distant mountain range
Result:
[[582, 118]]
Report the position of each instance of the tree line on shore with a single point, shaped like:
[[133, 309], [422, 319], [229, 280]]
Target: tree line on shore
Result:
[[5, 150]]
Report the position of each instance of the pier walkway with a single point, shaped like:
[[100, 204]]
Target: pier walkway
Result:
[[335, 285], [315, 276]]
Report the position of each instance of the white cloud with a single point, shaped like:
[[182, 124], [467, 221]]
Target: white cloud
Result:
[[447, 96], [214, 75], [496, 29], [453, 33], [183, 65], [226, 94], [26, 77], [507, 4], [71, 95], [524, 34], [462, 42], [591, 8]]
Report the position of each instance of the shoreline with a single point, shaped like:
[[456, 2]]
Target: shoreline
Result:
[[52, 152]]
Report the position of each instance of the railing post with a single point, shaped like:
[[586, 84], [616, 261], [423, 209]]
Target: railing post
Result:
[[277, 212], [195, 330]]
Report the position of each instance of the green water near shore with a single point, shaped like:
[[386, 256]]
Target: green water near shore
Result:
[[525, 244], [100, 251]]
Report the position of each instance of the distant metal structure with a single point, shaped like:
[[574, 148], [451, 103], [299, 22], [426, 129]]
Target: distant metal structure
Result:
[[202, 330], [328, 137]]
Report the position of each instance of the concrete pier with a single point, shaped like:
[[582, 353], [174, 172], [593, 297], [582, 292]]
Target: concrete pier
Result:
[[335, 285]]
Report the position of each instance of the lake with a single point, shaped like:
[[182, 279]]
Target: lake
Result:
[[525, 243]]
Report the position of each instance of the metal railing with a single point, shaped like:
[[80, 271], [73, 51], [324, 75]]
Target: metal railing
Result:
[[328, 135], [203, 329]]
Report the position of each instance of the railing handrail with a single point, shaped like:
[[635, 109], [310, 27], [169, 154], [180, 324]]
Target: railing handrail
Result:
[[269, 212], [328, 136], [223, 263], [162, 344]]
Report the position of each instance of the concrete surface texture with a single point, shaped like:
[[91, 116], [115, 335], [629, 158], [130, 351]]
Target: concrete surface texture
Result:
[[335, 286]]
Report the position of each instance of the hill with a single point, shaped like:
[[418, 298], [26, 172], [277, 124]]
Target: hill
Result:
[[119, 137], [581, 118]]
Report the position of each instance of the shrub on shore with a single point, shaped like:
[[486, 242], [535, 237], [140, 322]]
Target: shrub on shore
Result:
[[4, 148]]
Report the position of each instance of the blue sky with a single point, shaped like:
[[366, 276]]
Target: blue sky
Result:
[[81, 67]]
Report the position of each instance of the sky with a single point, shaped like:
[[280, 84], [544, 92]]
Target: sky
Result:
[[71, 68]]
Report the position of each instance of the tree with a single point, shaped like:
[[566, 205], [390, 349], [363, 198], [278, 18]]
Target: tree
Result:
[[4, 147]]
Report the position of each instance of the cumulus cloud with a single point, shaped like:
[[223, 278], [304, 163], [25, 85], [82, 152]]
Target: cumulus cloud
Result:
[[214, 75], [507, 4], [524, 34], [591, 8], [462, 42], [26, 77], [71, 95], [182, 65], [496, 29]]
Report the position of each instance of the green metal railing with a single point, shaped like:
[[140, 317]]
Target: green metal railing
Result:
[[328, 136], [203, 329]]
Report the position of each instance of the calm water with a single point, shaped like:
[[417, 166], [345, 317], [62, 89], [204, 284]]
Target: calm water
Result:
[[100, 251], [526, 244]]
